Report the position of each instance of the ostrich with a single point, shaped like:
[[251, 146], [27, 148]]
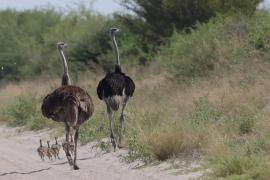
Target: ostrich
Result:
[[41, 150], [69, 104], [116, 88], [49, 151], [56, 148], [65, 76]]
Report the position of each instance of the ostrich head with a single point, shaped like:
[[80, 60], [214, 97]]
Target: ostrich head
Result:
[[61, 45], [113, 31]]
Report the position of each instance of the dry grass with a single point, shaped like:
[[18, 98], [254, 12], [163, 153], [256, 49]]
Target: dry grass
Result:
[[161, 115]]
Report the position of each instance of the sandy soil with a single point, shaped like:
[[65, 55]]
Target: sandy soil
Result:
[[19, 160]]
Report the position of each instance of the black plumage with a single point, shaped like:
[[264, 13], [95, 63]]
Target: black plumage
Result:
[[115, 89], [115, 84]]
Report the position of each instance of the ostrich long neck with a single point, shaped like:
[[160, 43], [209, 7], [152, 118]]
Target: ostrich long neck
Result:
[[65, 77], [116, 50]]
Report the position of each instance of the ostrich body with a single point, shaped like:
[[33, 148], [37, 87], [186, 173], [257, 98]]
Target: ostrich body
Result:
[[56, 149], [49, 152], [41, 150], [71, 105], [115, 89]]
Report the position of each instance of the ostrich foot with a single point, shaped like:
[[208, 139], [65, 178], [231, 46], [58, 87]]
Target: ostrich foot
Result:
[[75, 167]]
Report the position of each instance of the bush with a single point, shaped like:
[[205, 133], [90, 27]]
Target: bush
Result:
[[138, 150], [28, 40], [25, 111], [242, 167], [214, 47], [246, 121], [167, 144], [236, 165]]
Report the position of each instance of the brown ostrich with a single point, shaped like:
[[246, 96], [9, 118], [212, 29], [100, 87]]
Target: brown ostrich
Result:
[[41, 150], [56, 149], [68, 104]]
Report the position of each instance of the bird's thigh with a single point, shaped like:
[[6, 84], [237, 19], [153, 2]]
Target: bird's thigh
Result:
[[72, 115]]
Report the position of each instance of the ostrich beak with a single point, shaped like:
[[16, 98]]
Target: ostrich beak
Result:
[[113, 30]]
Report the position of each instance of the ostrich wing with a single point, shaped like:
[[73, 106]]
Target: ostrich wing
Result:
[[113, 84], [53, 105], [129, 86]]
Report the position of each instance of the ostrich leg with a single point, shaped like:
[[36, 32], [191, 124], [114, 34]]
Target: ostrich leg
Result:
[[68, 155], [75, 166], [109, 111], [73, 115], [122, 120]]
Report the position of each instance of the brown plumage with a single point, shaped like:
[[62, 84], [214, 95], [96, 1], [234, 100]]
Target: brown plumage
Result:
[[69, 146], [65, 145], [57, 104], [49, 151], [41, 150], [71, 105], [56, 149]]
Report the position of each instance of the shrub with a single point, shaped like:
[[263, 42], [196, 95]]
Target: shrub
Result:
[[28, 40], [214, 47], [236, 165], [25, 111], [246, 121], [137, 149], [242, 167]]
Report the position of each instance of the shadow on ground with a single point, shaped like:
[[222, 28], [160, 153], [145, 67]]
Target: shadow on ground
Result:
[[25, 173]]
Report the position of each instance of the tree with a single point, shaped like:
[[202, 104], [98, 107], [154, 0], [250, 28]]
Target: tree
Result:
[[155, 20]]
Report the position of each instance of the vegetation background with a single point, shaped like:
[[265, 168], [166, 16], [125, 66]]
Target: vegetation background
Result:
[[201, 69]]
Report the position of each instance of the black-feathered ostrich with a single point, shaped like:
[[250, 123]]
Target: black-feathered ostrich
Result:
[[69, 104], [116, 88]]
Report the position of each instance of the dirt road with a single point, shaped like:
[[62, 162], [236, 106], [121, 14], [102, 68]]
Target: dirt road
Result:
[[19, 160]]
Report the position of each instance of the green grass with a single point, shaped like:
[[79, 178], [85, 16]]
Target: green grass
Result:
[[239, 166], [246, 120], [97, 127], [25, 111]]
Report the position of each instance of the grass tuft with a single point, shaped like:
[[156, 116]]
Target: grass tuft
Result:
[[25, 111]]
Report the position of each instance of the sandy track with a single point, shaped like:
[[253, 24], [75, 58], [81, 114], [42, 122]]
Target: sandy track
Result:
[[19, 160]]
